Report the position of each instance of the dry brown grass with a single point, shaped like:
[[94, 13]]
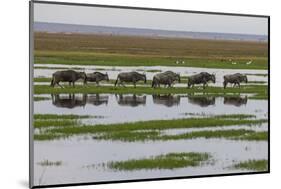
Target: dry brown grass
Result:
[[150, 46]]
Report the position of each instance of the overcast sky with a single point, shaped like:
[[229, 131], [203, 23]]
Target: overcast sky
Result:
[[149, 19]]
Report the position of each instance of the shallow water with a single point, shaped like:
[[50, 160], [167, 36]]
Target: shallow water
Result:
[[183, 71], [130, 108], [81, 158]]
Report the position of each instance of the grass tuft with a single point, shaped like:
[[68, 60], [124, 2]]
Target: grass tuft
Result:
[[168, 161], [255, 165]]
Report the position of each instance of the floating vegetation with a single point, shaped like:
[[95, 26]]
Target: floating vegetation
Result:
[[168, 161]]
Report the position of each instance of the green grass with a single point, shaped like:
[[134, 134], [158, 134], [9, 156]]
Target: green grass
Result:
[[39, 98], [50, 163], [158, 125], [54, 123], [56, 120], [111, 59], [56, 68], [148, 129], [234, 116], [58, 116], [168, 161], [239, 134], [259, 90], [42, 79], [254, 165]]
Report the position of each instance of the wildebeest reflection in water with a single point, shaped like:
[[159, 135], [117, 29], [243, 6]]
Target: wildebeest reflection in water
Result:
[[96, 99], [166, 100], [68, 101], [202, 101], [130, 100], [235, 101]]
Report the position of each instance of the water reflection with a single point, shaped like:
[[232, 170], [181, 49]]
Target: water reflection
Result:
[[235, 101], [130, 100], [68, 101], [202, 101], [75, 100], [166, 100], [96, 99]]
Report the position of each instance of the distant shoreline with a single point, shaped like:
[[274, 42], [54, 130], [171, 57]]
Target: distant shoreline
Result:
[[69, 29]]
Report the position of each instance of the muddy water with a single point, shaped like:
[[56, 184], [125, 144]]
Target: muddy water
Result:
[[183, 71], [116, 108]]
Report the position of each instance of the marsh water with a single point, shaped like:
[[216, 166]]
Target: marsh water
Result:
[[118, 108], [83, 158]]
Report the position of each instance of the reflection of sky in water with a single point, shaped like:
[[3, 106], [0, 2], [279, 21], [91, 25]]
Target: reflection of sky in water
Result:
[[77, 156], [79, 153], [130, 108], [183, 71]]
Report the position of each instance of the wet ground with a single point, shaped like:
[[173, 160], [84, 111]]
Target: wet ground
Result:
[[82, 156]]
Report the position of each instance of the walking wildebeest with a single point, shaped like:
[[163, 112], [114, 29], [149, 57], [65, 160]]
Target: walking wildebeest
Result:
[[235, 79], [166, 100], [96, 77], [67, 76], [200, 78], [202, 101], [236, 101], [130, 100], [161, 78], [70, 101], [173, 75], [166, 78], [132, 77]]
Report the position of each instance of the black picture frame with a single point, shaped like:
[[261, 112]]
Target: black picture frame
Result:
[[31, 92]]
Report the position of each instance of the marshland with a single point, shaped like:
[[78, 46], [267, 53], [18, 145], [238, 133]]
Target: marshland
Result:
[[92, 133]]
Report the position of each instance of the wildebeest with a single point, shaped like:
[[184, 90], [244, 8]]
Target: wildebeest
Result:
[[130, 100], [165, 78], [96, 77], [235, 79], [236, 101], [161, 79], [67, 76], [166, 100], [70, 101], [174, 76], [132, 77], [202, 101], [201, 78]]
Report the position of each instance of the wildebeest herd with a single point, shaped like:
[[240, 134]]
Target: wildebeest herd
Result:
[[167, 78]]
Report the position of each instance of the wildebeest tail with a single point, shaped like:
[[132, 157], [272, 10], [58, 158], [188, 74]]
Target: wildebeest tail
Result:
[[52, 82], [116, 80]]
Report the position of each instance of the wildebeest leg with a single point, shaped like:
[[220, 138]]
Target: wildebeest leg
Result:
[[59, 85], [135, 85], [73, 84], [69, 83], [98, 84]]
